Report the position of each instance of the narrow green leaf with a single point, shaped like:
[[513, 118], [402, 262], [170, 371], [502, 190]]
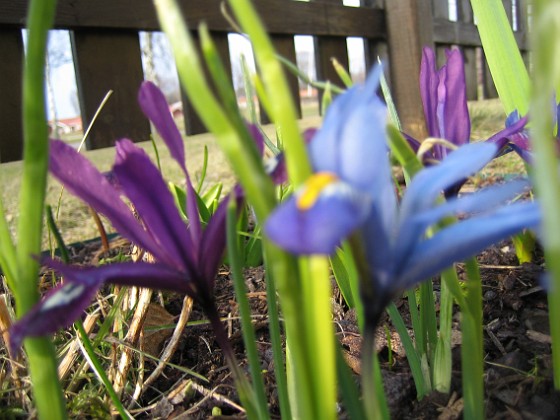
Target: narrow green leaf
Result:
[[247, 329], [504, 59], [203, 170], [524, 244], [282, 109], [389, 100], [404, 153], [342, 278], [412, 355], [472, 351], [326, 99], [443, 357], [342, 73], [546, 50]]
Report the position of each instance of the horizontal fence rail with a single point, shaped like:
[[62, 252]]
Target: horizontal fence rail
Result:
[[107, 55]]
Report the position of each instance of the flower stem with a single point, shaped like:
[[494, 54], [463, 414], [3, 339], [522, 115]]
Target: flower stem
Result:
[[472, 349], [41, 355], [373, 394], [245, 312], [545, 47]]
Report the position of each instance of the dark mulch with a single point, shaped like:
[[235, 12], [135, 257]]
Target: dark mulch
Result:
[[518, 374]]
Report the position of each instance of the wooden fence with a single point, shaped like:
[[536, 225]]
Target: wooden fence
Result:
[[106, 52]]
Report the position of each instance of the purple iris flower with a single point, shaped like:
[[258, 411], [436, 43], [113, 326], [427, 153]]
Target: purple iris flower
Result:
[[444, 98], [187, 257], [352, 192], [520, 141]]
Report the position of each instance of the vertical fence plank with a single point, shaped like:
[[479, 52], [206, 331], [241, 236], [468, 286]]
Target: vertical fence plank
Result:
[[405, 48], [487, 83], [465, 14], [11, 68], [326, 48], [471, 73], [375, 48], [523, 26], [440, 10], [193, 123], [110, 60], [508, 6]]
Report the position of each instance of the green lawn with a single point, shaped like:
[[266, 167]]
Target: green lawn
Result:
[[76, 224]]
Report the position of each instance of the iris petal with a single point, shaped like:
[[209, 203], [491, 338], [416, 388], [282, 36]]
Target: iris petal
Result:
[[154, 105], [66, 303], [455, 111], [414, 228], [83, 180], [465, 239], [146, 189], [428, 184], [429, 81], [338, 210]]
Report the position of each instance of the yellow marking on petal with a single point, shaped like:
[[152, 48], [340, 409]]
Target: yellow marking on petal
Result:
[[313, 188]]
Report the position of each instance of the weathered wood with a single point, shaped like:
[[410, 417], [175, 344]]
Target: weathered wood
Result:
[[11, 67], [327, 48], [488, 87], [522, 16], [375, 48], [471, 73], [465, 14], [508, 7], [464, 11], [405, 47], [285, 46], [193, 123], [440, 9], [109, 60], [459, 33], [280, 16]]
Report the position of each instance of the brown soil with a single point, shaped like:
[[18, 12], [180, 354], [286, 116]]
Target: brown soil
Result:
[[518, 376]]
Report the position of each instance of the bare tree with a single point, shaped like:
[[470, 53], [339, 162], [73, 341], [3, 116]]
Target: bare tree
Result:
[[58, 54]]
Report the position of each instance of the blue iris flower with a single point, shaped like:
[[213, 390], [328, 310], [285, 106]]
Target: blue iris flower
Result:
[[352, 192]]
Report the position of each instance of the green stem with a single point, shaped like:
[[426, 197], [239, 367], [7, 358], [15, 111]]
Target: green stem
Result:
[[442, 357], [412, 354], [428, 320], [40, 351], [7, 250], [317, 292], [545, 46], [472, 351], [348, 388], [276, 341], [245, 312], [373, 394], [100, 370], [282, 110], [283, 268]]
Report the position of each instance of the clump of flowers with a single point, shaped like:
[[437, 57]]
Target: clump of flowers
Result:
[[352, 193], [444, 98], [186, 256]]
